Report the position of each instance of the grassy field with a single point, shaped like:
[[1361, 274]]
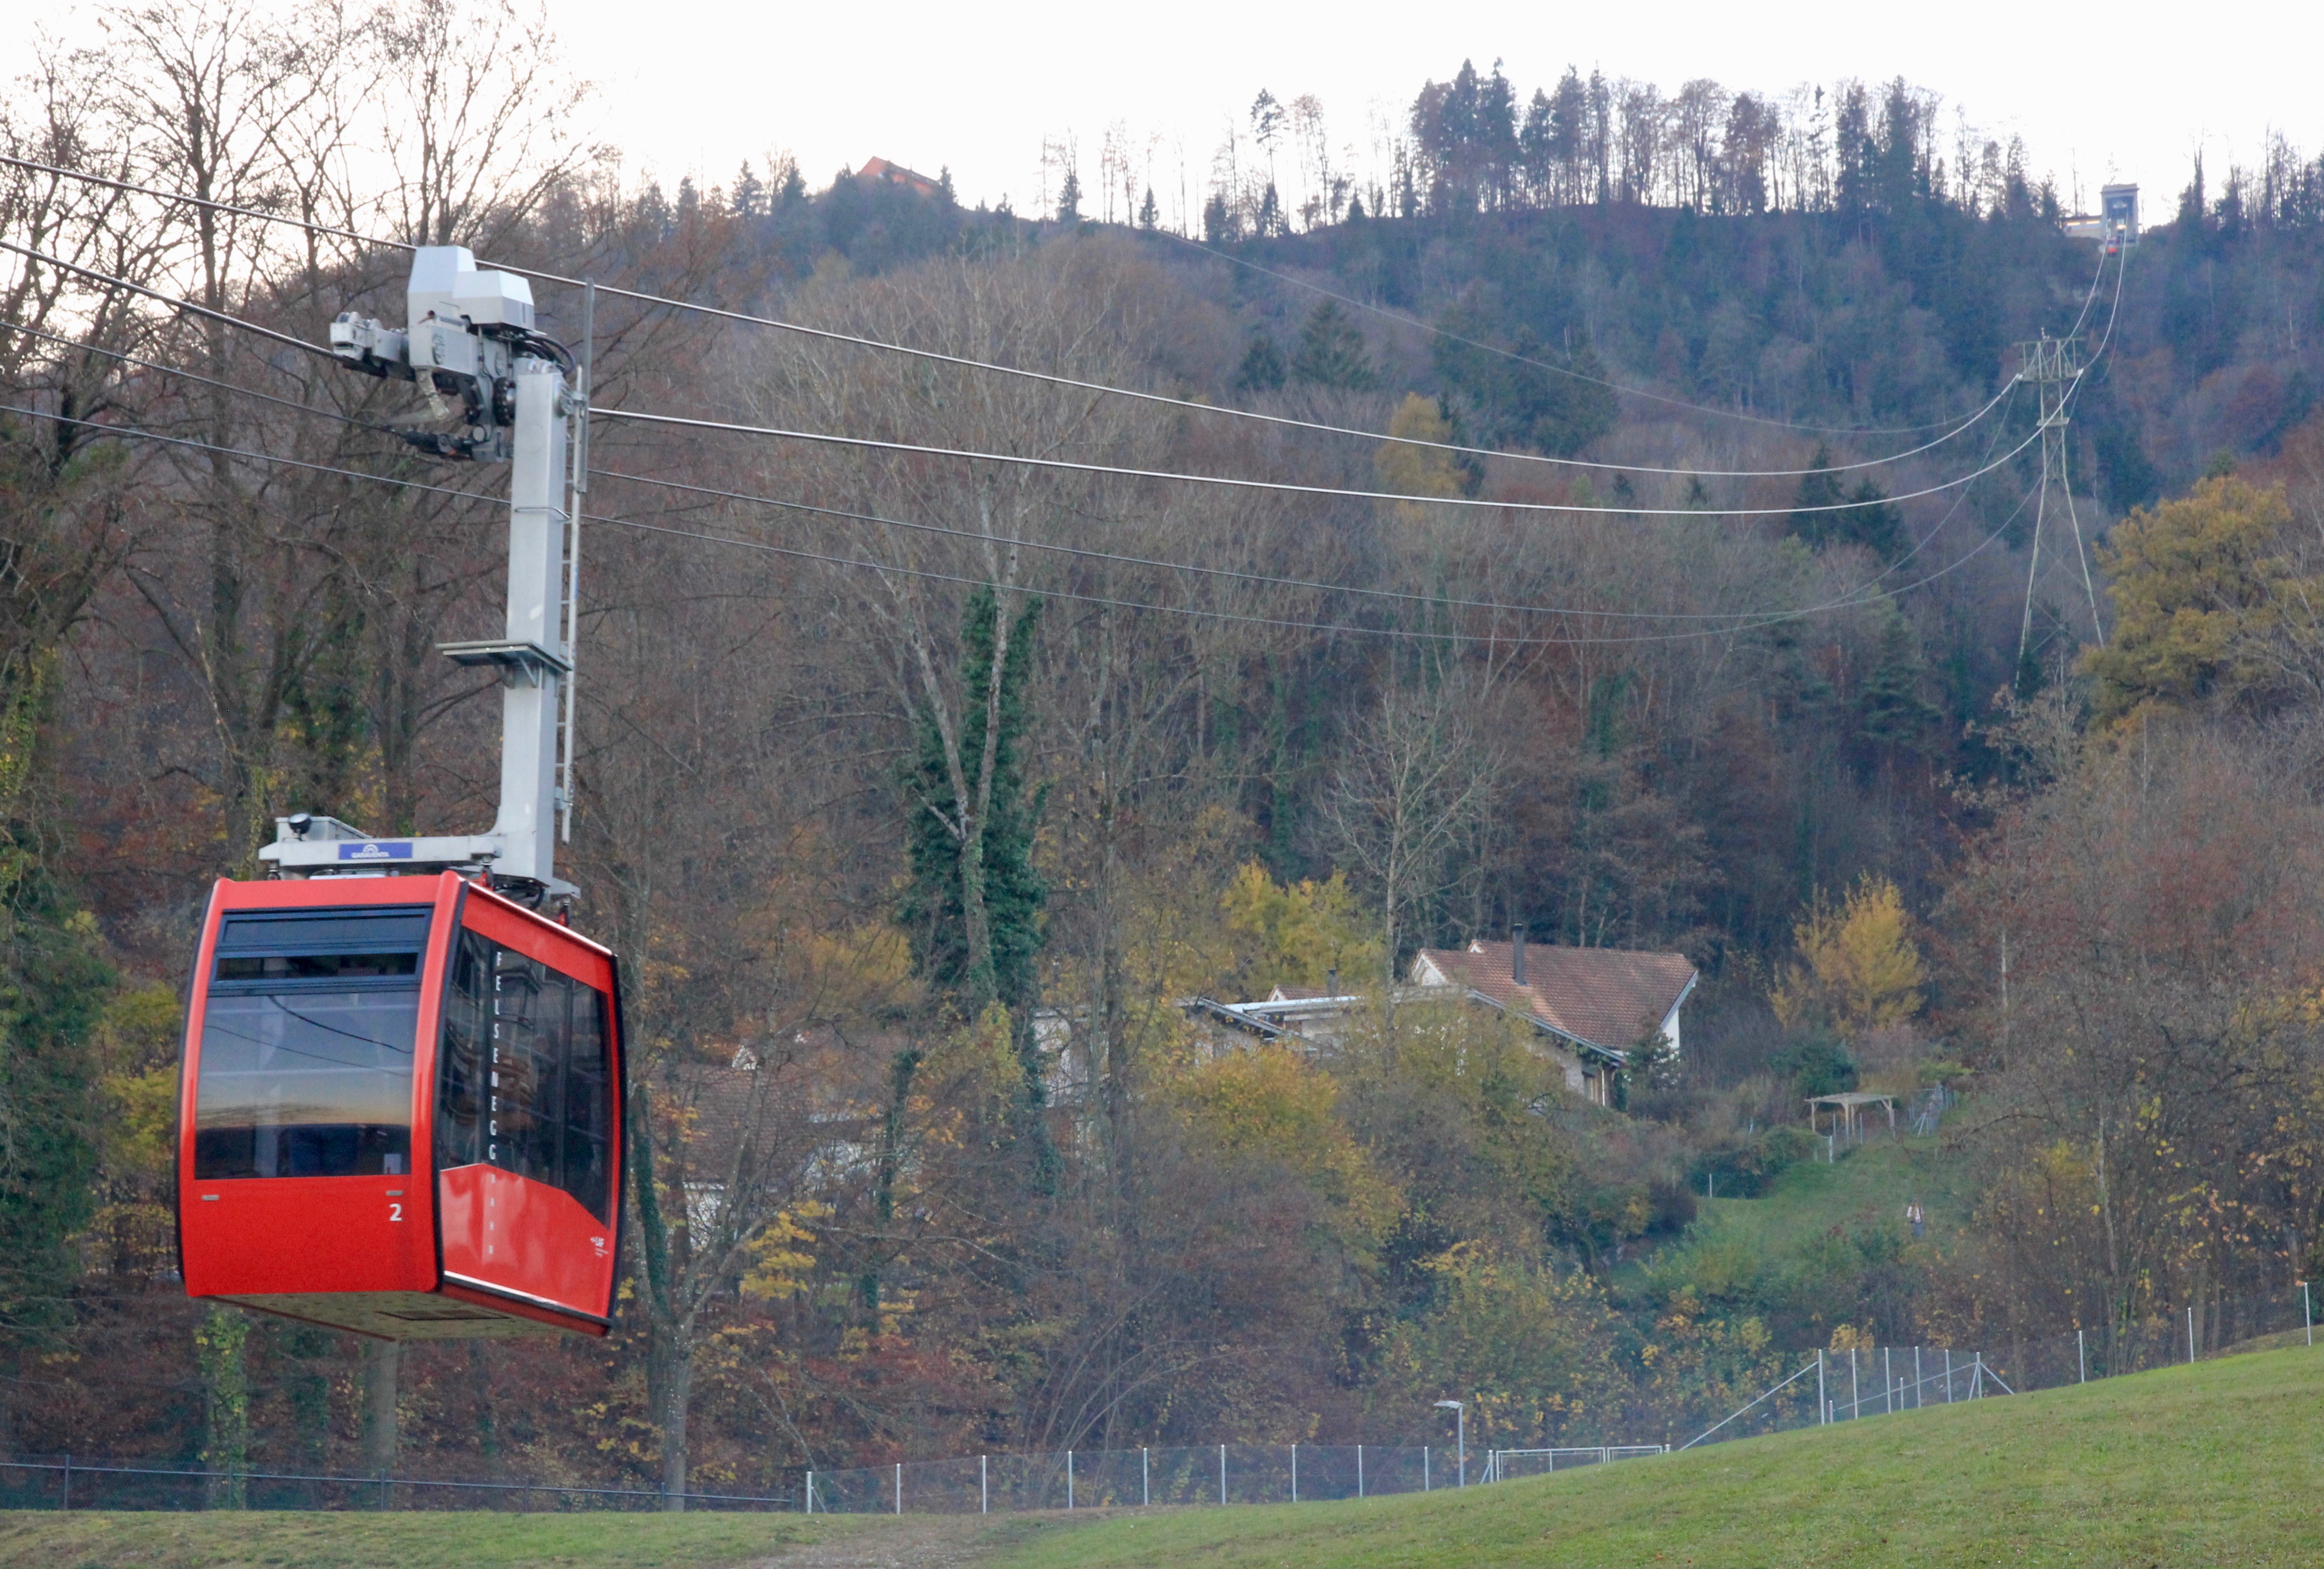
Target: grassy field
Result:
[[2216, 1464], [94, 1540], [1867, 1187], [2212, 1464]]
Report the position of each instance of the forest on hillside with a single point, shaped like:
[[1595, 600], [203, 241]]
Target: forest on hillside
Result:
[[1666, 577]]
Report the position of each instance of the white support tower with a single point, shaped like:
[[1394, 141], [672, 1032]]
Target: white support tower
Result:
[[470, 336], [2055, 366]]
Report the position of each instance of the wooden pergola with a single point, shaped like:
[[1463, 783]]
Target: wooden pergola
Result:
[[1847, 1113]]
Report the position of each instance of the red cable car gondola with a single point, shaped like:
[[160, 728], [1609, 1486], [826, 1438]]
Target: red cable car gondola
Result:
[[401, 1110], [401, 1104]]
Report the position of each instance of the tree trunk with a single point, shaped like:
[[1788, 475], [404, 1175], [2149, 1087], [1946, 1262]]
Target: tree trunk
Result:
[[220, 1345], [673, 1394], [382, 1365]]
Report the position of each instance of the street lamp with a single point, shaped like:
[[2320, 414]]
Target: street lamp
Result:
[[1461, 1434]]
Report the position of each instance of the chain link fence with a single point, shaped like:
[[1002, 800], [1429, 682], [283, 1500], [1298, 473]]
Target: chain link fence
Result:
[[1846, 1385], [1214, 1474]]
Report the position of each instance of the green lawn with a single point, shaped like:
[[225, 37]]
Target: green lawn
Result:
[[447, 1540], [2218, 1464], [1866, 1186]]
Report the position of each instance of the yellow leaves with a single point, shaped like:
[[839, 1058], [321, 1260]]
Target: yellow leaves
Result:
[[1863, 970], [1847, 1337], [137, 1082], [1267, 1103], [859, 972], [981, 1058], [1528, 1342], [2201, 588], [1417, 470], [779, 1260], [1297, 934]]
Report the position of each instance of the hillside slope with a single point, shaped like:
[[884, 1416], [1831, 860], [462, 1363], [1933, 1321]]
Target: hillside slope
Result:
[[2212, 1464]]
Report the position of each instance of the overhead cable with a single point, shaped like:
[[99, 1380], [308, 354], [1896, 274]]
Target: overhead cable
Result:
[[159, 369], [1083, 553], [1430, 601], [142, 434], [171, 300], [1767, 619], [917, 449], [1180, 404], [1281, 486]]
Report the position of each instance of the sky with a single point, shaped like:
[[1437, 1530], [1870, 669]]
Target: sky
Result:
[[2099, 92]]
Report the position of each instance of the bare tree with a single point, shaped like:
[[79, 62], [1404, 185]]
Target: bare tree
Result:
[[1415, 781]]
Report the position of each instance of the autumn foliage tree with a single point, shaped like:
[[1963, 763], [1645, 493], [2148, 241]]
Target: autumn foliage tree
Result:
[[2217, 600], [1859, 969]]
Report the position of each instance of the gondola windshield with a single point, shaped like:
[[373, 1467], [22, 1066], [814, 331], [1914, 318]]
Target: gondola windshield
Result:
[[307, 1043]]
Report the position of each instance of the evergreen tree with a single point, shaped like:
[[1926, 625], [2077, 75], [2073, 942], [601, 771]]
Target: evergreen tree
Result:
[[1819, 488], [750, 195], [1526, 397], [1895, 715], [1069, 199], [1263, 368], [1874, 521], [1332, 352], [1148, 214], [1270, 212], [1219, 226]]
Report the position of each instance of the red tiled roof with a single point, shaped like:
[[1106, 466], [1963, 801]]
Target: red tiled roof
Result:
[[896, 174], [1611, 998]]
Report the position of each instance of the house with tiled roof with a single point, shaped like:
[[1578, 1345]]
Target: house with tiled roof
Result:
[[1590, 1008], [886, 173]]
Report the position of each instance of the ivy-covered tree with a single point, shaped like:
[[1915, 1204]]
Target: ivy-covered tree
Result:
[[975, 904]]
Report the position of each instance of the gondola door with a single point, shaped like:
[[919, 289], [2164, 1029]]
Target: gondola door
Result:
[[527, 1138]]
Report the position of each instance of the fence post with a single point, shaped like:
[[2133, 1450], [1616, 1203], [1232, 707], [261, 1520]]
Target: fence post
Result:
[[1949, 1375], [810, 1492], [2307, 1313], [1069, 1481], [1424, 1468], [1822, 1416], [984, 1484], [900, 1487], [1888, 1383], [1222, 1476], [1144, 1480], [1360, 1470], [2191, 1334], [1294, 1473], [1920, 1385], [68, 1492], [2081, 1358]]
